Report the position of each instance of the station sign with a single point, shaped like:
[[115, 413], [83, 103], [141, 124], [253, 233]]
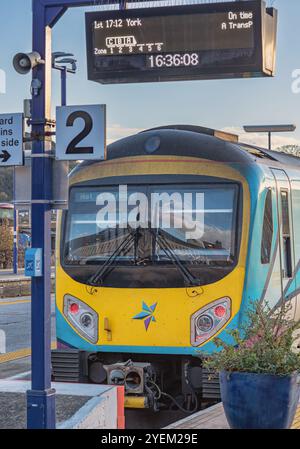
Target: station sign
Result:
[[11, 139], [207, 41], [81, 132]]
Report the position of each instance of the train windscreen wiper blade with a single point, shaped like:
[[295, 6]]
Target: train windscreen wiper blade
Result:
[[167, 249], [102, 271]]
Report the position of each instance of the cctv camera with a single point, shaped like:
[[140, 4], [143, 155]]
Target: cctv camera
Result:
[[24, 62]]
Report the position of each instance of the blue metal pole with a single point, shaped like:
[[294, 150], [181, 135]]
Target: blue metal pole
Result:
[[15, 247], [41, 398], [64, 86]]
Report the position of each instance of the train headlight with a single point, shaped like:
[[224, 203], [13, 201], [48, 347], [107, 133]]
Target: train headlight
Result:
[[82, 317], [204, 323], [86, 320], [207, 321]]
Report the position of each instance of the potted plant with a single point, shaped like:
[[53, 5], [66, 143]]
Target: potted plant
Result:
[[259, 372]]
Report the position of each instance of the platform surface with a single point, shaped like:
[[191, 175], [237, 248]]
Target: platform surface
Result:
[[9, 276], [72, 400], [13, 409], [214, 418]]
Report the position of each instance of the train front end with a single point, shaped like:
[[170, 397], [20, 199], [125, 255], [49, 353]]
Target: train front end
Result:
[[151, 259]]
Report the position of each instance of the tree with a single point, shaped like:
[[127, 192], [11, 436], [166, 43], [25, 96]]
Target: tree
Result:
[[6, 245], [6, 184], [294, 150]]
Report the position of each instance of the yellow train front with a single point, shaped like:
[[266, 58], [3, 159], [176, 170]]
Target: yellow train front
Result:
[[138, 305]]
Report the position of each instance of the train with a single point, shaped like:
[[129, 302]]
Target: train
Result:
[[164, 246]]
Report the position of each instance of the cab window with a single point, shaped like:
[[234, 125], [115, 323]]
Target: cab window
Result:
[[267, 234], [286, 234]]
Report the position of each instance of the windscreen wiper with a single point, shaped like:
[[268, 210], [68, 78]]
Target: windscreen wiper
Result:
[[189, 279], [102, 271]]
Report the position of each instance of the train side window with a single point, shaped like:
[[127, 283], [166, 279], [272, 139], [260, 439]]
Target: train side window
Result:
[[286, 234], [267, 234]]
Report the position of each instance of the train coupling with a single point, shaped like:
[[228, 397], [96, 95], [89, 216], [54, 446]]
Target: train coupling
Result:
[[135, 377]]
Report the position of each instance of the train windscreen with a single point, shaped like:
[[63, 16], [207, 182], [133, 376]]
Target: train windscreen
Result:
[[144, 225]]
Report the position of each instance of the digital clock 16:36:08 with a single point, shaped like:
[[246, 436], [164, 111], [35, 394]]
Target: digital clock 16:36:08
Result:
[[173, 60]]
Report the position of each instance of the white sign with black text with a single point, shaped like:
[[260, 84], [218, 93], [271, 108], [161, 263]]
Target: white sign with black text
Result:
[[81, 132], [11, 139]]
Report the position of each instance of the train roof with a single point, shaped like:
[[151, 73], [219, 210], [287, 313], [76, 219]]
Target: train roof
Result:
[[192, 141]]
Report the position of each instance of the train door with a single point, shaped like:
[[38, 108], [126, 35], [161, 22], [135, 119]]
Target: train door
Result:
[[286, 237]]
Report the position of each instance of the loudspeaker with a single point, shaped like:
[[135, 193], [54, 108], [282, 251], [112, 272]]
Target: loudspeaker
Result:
[[24, 62]]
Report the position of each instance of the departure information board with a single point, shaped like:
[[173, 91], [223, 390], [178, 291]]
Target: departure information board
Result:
[[222, 40]]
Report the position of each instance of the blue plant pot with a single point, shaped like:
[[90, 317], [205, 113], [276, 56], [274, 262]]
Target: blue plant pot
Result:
[[259, 401]]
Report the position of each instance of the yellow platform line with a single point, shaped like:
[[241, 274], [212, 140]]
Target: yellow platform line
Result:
[[296, 423], [20, 354], [8, 303]]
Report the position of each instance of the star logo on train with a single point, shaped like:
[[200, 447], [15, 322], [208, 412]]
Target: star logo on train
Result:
[[147, 314]]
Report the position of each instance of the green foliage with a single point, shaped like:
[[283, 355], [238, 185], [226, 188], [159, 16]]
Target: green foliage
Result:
[[6, 245], [293, 150], [6, 184], [263, 345]]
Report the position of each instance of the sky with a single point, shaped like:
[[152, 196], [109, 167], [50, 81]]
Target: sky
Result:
[[220, 104]]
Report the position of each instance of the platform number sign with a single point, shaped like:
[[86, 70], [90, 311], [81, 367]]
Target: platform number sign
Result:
[[81, 132]]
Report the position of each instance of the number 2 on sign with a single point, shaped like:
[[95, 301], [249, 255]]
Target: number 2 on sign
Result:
[[88, 126]]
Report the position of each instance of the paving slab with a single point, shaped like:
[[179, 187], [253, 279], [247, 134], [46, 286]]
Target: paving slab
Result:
[[210, 418], [214, 418]]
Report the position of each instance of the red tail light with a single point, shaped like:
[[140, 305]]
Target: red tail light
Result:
[[74, 308], [220, 311]]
